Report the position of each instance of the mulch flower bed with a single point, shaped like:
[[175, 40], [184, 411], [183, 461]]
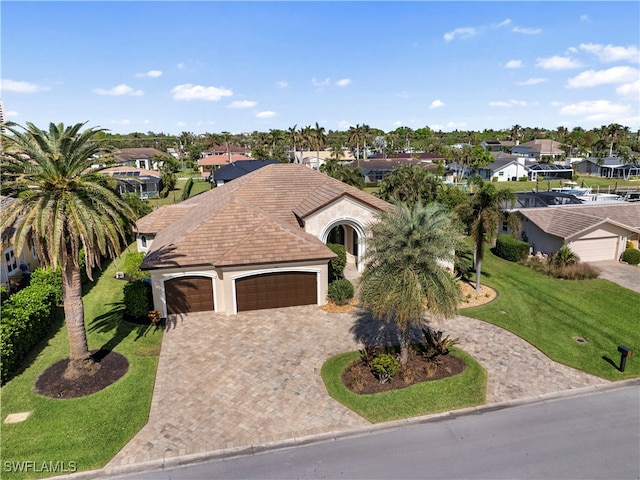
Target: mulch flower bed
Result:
[[52, 383], [359, 378]]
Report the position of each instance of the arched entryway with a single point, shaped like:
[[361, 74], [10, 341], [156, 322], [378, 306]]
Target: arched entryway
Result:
[[350, 233]]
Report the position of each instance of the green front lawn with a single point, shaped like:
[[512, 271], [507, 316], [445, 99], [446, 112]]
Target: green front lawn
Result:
[[89, 430], [551, 313], [466, 389]]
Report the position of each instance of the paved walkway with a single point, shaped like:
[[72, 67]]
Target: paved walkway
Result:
[[254, 378], [623, 274]]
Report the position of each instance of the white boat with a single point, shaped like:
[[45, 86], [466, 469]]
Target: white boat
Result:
[[572, 188]]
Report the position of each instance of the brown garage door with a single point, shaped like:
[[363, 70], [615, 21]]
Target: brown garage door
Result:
[[189, 294], [275, 290]]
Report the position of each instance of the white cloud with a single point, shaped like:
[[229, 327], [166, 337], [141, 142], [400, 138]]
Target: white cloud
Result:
[[600, 110], [267, 114], [456, 124], [397, 123], [343, 82], [508, 103], [21, 87], [150, 74], [118, 91], [532, 81], [242, 104], [504, 23], [124, 121], [557, 63], [629, 90], [612, 53], [403, 94], [11, 113], [181, 124], [513, 64], [462, 33], [282, 84], [585, 18], [344, 125], [320, 83], [526, 31], [180, 66], [188, 91], [592, 78], [436, 104]]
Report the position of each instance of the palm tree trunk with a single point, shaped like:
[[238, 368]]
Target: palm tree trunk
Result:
[[478, 268], [80, 360], [403, 336]]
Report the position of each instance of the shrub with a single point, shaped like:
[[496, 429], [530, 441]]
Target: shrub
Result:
[[629, 245], [563, 257], [131, 266], [631, 256], [187, 189], [138, 299], [435, 344], [26, 317], [340, 291], [511, 249], [384, 367], [336, 266], [577, 271], [46, 276]]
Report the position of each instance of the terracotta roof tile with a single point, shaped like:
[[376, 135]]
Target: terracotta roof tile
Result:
[[250, 220]]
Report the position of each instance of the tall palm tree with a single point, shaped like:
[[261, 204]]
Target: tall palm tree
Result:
[[484, 211], [63, 205], [319, 139], [293, 135], [405, 276]]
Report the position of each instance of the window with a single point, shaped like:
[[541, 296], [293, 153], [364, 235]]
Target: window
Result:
[[143, 241], [505, 226], [10, 260], [501, 174]]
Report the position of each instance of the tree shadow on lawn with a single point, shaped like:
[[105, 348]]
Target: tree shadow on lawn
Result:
[[115, 321]]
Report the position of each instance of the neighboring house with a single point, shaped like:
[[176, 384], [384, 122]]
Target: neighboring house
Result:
[[146, 183], [15, 264], [505, 168], [315, 160], [140, 158], [593, 232], [544, 199], [609, 167], [541, 150], [212, 162], [376, 168], [256, 242], [497, 145], [235, 170], [224, 150]]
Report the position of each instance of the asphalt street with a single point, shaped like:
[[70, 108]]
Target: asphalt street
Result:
[[591, 436]]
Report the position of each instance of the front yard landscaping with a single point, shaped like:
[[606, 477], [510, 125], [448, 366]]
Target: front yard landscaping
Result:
[[579, 323], [88, 430]]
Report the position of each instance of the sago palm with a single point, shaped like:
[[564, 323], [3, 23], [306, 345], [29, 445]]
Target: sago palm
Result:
[[62, 205], [406, 274]]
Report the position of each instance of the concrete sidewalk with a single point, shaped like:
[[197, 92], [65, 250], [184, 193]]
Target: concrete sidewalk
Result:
[[254, 379]]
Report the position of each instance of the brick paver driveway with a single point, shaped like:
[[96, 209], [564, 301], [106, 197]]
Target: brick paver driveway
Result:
[[254, 378]]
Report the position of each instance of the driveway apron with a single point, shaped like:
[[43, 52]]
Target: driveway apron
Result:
[[253, 378]]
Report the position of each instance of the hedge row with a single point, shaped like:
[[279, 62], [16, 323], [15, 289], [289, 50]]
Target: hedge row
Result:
[[511, 249], [26, 318]]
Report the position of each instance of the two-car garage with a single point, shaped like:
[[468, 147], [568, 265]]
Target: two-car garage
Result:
[[186, 294]]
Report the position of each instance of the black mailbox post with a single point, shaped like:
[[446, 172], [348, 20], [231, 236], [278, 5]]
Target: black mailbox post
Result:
[[624, 353]]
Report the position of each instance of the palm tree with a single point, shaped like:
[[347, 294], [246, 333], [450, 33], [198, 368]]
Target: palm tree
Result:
[[483, 213], [293, 135], [319, 139], [405, 274], [63, 205]]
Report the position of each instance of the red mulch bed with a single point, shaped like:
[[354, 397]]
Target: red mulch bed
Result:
[[358, 378], [51, 382]]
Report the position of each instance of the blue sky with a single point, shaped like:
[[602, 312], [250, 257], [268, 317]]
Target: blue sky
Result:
[[243, 66]]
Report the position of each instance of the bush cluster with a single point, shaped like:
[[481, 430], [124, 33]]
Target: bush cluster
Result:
[[336, 266], [131, 266], [26, 318], [511, 249], [631, 256], [186, 191], [138, 299], [46, 276], [576, 271], [340, 291]]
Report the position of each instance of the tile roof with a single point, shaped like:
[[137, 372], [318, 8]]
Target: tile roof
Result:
[[128, 154], [222, 159], [253, 219], [569, 221]]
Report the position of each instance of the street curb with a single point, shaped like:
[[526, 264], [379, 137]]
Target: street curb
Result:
[[232, 452]]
